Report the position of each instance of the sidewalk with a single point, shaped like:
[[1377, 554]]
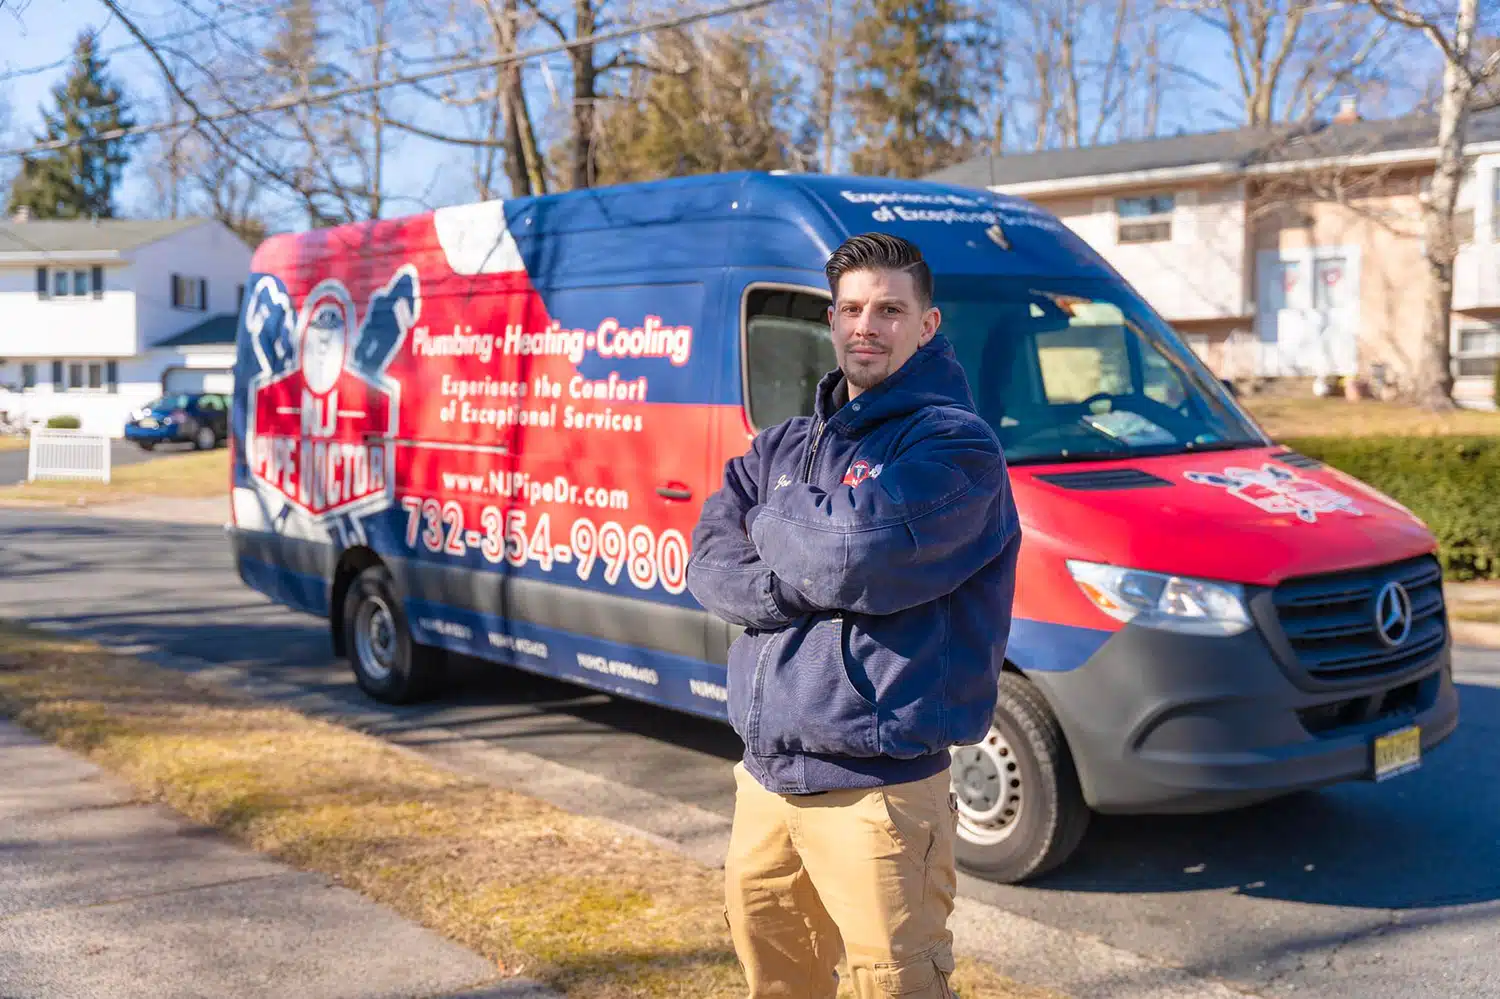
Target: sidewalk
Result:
[[103, 897]]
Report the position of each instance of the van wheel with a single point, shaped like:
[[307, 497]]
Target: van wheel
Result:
[[388, 665], [205, 439], [1021, 811]]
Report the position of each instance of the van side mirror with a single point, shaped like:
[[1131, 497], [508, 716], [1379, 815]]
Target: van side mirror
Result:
[[1229, 384]]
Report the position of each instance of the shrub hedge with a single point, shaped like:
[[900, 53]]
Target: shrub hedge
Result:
[[64, 423], [1452, 483]]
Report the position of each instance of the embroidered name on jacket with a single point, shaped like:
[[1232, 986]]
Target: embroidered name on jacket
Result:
[[860, 471]]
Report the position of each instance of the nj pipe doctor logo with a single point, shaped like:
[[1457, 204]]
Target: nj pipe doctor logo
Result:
[[1276, 490], [860, 471], [322, 412]]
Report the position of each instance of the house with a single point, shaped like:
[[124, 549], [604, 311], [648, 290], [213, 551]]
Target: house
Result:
[[1289, 251], [98, 317]]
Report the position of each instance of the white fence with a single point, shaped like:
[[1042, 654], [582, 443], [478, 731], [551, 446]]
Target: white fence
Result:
[[67, 454]]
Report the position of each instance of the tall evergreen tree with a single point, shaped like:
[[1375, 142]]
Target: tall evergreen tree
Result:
[[912, 113], [707, 106], [78, 181]]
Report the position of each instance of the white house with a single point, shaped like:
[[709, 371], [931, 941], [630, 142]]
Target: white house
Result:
[[98, 317]]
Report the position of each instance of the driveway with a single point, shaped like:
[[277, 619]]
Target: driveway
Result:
[[1364, 890], [13, 463]]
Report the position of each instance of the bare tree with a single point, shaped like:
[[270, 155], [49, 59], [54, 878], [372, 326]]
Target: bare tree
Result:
[[1290, 58], [1093, 71], [1467, 72]]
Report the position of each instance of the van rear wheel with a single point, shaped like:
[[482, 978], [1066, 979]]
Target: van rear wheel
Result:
[[388, 665], [1021, 811]]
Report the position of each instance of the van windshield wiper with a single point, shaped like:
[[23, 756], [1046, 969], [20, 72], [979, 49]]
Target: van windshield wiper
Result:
[[1106, 454]]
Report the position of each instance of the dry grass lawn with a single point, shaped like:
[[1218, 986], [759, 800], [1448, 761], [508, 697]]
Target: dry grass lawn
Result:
[[190, 476], [9, 442], [1284, 416], [568, 900]]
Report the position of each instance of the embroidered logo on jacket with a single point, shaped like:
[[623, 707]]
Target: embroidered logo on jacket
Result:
[[860, 471]]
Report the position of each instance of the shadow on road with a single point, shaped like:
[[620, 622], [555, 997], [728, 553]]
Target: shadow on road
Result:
[[1430, 838]]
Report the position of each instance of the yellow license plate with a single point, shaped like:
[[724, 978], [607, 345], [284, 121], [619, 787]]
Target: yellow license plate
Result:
[[1398, 752]]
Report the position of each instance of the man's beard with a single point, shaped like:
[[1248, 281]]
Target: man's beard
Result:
[[866, 377]]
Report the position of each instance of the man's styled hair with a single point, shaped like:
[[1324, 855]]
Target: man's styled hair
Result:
[[872, 251]]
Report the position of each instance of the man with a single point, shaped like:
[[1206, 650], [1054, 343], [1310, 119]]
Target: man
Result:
[[869, 552]]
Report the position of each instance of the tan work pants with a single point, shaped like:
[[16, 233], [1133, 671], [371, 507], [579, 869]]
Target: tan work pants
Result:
[[863, 874]]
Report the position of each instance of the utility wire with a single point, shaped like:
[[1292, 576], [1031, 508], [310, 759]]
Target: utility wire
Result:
[[16, 74], [307, 100]]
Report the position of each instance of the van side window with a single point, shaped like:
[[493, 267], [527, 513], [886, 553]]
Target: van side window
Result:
[[787, 351]]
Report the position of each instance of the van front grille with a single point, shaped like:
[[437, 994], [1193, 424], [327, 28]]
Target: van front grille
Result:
[[1330, 621]]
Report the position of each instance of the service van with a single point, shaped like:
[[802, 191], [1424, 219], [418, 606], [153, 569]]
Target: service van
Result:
[[487, 430]]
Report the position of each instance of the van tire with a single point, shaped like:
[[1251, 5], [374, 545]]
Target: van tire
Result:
[[387, 664], [1025, 744]]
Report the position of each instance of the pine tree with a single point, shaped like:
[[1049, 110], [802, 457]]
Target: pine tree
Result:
[[911, 112], [79, 181], [707, 107]]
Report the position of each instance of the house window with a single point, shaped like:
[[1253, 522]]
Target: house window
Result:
[[75, 375], [58, 385], [80, 282], [1495, 203], [1145, 219], [189, 293], [96, 375], [112, 375], [1478, 352], [28, 376], [787, 350]]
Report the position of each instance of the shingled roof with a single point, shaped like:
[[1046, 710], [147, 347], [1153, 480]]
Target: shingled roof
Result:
[[1233, 150], [40, 236]]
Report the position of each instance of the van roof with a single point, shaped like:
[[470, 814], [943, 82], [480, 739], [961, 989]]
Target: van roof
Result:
[[760, 219]]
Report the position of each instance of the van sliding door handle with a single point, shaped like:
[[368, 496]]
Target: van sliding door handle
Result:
[[674, 491]]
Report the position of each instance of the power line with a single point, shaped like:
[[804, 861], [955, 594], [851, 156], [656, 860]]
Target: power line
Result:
[[16, 74], [307, 100]]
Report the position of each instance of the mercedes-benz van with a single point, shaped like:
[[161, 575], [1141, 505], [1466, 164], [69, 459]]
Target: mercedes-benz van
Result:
[[487, 430]]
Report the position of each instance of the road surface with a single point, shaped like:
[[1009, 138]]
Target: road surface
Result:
[[1364, 890]]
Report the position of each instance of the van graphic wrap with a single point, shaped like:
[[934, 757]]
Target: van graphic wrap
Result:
[[464, 417], [1276, 490]]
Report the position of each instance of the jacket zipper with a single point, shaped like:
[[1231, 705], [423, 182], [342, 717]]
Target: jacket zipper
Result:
[[812, 452]]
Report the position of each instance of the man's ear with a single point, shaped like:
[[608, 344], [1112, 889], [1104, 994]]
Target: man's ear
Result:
[[931, 320]]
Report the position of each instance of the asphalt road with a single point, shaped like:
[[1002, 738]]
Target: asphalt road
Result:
[[1362, 890], [13, 463]]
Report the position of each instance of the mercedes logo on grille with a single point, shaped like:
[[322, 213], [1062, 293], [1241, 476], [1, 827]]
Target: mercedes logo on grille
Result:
[[1393, 614]]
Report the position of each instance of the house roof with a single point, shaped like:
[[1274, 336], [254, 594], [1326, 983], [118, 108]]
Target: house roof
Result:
[[1233, 150], [82, 236], [215, 331]]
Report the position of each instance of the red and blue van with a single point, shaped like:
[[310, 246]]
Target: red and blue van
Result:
[[487, 429]]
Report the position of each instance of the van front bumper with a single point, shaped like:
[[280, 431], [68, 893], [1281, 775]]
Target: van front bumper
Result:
[[1166, 723]]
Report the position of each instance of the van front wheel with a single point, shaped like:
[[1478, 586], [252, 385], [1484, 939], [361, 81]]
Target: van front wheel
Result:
[[1021, 811], [387, 664]]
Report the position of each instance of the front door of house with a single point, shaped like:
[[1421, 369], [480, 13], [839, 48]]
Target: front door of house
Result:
[[1308, 309]]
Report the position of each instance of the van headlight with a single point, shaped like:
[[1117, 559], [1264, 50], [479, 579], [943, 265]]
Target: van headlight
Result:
[[1156, 600]]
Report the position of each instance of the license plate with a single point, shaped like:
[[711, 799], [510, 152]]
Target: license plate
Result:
[[149, 423], [1398, 752]]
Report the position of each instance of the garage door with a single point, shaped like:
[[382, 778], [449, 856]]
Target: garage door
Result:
[[199, 380]]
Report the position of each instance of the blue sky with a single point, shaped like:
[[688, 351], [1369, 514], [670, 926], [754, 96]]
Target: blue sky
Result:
[[34, 32]]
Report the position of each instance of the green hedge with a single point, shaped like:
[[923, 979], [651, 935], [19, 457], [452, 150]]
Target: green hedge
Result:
[[64, 423], [1452, 483]]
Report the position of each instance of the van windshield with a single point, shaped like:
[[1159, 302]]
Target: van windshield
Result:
[[1083, 370], [1062, 370]]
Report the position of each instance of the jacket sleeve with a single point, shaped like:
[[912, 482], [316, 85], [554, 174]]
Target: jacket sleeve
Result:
[[934, 515], [726, 574]]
